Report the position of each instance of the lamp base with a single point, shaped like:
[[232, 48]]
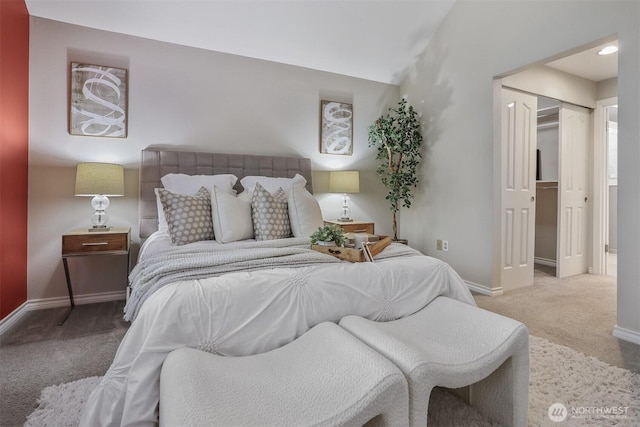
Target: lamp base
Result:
[[345, 220]]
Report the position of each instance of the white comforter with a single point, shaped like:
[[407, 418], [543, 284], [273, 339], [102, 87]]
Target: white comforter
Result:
[[246, 313]]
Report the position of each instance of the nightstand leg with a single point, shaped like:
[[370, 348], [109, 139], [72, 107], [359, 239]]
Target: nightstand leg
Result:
[[66, 273]]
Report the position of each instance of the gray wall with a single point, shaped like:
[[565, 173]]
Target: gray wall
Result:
[[178, 96], [452, 88]]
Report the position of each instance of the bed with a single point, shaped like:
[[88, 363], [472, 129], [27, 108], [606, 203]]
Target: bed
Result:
[[243, 296]]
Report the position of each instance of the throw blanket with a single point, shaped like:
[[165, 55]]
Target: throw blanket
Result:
[[245, 313], [195, 262]]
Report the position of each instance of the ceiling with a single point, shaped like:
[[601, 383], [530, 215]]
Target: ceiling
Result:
[[376, 40], [373, 40], [589, 64]]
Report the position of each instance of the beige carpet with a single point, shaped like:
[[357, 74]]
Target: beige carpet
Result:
[[578, 312]]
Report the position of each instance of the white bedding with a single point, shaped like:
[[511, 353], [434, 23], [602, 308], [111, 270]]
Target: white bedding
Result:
[[246, 313]]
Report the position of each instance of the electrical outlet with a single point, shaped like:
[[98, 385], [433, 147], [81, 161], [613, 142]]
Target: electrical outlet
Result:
[[439, 245], [445, 245]]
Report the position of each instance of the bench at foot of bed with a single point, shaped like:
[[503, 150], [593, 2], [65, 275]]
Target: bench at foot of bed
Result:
[[452, 344], [325, 377]]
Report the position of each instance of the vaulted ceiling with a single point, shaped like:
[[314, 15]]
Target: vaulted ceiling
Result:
[[374, 40], [371, 39]]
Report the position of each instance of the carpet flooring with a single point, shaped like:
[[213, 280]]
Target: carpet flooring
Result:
[[578, 312], [36, 353]]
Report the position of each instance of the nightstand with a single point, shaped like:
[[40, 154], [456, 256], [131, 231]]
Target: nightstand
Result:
[[82, 242], [354, 226]]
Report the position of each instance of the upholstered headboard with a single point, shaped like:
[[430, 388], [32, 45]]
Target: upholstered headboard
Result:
[[157, 162]]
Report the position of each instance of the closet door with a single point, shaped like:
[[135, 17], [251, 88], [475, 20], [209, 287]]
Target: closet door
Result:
[[518, 186], [573, 145]]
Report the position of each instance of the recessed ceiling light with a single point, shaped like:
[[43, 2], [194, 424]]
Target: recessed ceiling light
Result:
[[608, 50]]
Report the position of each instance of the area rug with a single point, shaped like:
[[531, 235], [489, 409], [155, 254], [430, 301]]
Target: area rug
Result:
[[566, 388]]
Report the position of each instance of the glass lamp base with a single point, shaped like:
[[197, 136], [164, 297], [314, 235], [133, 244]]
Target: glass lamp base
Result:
[[99, 218]]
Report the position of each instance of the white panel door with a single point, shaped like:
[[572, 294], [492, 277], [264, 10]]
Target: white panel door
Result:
[[518, 186], [573, 144]]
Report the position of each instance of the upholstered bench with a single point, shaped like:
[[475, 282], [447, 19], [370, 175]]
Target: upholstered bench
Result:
[[452, 344], [325, 377]]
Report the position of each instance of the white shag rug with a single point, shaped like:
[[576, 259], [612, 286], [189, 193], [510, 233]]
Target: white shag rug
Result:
[[566, 388]]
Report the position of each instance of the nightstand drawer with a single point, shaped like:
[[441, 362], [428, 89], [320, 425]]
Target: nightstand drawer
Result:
[[98, 242]]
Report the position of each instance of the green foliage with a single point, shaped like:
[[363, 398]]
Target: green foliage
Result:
[[329, 233], [397, 137]]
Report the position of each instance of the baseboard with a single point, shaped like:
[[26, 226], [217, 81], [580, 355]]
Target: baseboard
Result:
[[483, 290], [13, 317], [44, 303], [626, 334], [545, 261]]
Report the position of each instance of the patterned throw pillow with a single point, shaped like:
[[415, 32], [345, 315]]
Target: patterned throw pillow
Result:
[[188, 217], [270, 214]]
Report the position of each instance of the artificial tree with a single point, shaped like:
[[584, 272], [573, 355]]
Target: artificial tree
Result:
[[397, 137]]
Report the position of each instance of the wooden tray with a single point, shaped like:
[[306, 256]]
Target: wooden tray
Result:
[[351, 254]]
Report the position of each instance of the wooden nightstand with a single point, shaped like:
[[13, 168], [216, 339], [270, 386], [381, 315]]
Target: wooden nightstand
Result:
[[355, 226], [82, 242]]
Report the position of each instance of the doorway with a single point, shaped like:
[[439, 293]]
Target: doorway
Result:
[[540, 79]]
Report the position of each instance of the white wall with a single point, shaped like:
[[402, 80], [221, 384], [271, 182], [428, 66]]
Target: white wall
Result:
[[178, 96], [452, 87]]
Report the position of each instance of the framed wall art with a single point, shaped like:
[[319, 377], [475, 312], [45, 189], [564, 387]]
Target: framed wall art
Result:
[[98, 101], [336, 128]]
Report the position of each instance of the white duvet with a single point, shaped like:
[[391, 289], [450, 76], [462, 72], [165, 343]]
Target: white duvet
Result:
[[246, 313]]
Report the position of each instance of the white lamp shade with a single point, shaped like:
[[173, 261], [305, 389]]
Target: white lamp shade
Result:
[[99, 179], [344, 181]]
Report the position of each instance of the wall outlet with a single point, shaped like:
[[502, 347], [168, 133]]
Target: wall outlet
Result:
[[445, 245], [439, 245]]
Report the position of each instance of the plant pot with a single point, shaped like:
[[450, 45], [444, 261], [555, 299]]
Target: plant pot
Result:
[[331, 243]]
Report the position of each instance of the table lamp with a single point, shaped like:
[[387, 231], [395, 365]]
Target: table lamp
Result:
[[99, 180], [344, 182]]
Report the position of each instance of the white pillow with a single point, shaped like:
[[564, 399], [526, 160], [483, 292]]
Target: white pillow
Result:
[[188, 185], [304, 212], [162, 220], [231, 217], [271, 184]]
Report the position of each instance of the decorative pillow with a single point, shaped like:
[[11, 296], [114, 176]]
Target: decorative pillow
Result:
[[270, 214], [271, 184], [180, 183], [231, 217], [188, 217], [304, 212]]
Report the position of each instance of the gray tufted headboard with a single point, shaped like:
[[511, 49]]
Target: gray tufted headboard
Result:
[[157, 162]]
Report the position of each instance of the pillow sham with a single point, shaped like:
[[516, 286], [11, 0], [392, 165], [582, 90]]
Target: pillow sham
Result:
[[305, 214], [180, 183], [231, 217], [272, 184], [188, 217], [270, 214]]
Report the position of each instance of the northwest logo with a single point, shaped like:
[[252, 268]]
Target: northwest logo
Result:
[[557, 412]]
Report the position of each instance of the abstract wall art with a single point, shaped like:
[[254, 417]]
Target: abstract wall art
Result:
[[336, 128], [98, 101]]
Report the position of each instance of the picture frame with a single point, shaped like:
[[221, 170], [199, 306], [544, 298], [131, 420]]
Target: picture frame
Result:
[[98, 100], [336, 128]]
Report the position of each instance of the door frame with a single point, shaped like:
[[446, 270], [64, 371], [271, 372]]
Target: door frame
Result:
[[497, 286], [600, 209]]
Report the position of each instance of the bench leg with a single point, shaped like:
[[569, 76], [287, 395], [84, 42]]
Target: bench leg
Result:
[[504, 395]]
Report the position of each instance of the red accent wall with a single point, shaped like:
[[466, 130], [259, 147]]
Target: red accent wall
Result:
[[14, 153]]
